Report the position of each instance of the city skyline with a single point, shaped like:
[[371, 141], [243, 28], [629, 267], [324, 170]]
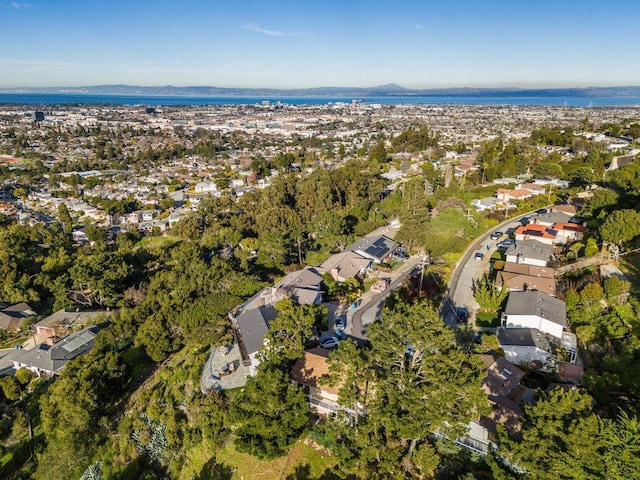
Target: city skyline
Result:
[[293, 44]]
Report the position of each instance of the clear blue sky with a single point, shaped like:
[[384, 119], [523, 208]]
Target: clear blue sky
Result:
[[309, 43]]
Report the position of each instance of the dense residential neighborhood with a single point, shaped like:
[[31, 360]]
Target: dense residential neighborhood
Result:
[[363, 290]]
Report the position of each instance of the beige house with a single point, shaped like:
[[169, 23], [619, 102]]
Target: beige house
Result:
[[307, 371]]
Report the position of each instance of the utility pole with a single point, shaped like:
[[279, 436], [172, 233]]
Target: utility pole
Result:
[[425, 260]]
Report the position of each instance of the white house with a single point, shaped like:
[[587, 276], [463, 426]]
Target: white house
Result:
[[529, 252], [206, 187], [535, 309], [525, 345]]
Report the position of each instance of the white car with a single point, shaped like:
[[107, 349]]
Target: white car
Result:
[[329, 342]]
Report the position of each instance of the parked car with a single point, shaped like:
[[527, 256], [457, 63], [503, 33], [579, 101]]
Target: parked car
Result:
[[340, 323], [329, 342], [496, 235], [479, 256], [506, 244], [401, 255], [462, 314]]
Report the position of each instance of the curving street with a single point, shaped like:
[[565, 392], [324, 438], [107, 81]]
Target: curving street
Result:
[[459, 293]]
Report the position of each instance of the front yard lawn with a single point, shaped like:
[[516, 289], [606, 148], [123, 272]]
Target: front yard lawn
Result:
[[487, 319]]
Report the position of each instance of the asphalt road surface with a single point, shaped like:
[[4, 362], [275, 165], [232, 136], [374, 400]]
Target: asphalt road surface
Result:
[[468, 269]]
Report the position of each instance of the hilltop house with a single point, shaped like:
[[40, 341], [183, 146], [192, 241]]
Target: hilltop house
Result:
[[345, 265], [14, 316], [520, 277], [529, 252], [62, 322], [525, 345], [377, 248], [50, 360], [534, 309], [323, 399]]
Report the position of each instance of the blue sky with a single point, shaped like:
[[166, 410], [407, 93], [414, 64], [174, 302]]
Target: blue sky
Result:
[[311, 43]]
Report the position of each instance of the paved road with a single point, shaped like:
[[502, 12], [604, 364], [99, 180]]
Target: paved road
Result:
[[371, 303], [460, 290]]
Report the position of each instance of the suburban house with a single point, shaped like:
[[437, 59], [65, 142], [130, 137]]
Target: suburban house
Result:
[[549, 219], [506, 194], [14, 316], [62, 322], [539, 233], [529, 252], [487, 203], [80, 236], [534, 309], [205, 187], [51, 359], [304, 287], [307, 371], [569, 210], [525, 345], [250, 327], [503, 389], [534, 188], [224, 369], [569, 232], [520, 278], [377, 248], [345, 265]]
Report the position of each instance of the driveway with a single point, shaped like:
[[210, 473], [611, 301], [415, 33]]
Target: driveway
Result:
[[371, 303]]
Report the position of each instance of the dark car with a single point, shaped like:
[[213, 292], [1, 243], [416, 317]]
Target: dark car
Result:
[[329, 342], [506, 244], [479, 256], [340, 323], [462, 314], [496, 235]]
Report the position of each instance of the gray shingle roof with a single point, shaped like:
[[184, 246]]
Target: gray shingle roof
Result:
[[526, 337], [54, 358], [537, 303], [253, 325], [376, 247], [530, 249]]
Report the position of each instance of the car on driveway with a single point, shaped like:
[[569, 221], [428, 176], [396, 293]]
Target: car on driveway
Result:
[[340, 323], [329, 342], [462, 314], [506, 244], [496, 235]]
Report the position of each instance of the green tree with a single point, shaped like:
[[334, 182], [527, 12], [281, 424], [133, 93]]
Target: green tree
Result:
[[270, 414], [488, 296], [621, 226], [621, 447], [561, 438], [289, 331], [65, 218]]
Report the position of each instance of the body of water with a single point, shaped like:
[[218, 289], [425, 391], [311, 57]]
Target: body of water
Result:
[[159, 100]]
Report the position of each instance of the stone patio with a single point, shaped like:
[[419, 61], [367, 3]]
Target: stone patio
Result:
[[223, 369]]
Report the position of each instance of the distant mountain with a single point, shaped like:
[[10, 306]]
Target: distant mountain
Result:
[[351, 92]]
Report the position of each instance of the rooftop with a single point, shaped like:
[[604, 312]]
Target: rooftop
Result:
[[539, 304]]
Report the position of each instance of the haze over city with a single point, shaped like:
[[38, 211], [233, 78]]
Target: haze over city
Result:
[[292, 44]]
